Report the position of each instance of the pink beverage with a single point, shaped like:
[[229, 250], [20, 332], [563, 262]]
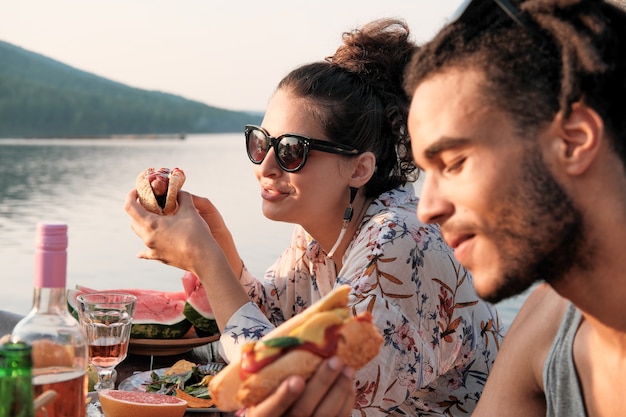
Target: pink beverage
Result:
[[107, 319], [68, 383], [59, 348], [106, 356]]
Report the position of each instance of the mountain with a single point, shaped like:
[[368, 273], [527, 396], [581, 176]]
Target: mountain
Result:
[[42, 97]]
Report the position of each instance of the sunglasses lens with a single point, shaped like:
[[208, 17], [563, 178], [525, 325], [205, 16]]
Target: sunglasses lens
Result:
[[258, 144], [290, 151]]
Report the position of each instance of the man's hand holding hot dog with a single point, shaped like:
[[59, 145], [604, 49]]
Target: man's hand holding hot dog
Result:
[[297, 347], [329, 393]]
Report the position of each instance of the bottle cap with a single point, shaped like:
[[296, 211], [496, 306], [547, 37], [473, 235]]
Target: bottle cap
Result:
[[51, 236], [50, 255]]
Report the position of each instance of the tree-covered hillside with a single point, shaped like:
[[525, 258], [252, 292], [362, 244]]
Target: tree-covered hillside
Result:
[[41, 97]]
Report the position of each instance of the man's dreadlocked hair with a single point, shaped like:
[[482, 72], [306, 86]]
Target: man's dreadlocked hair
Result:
[[570, 50]]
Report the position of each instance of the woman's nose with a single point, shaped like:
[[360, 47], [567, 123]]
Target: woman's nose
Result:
[[269, 166]]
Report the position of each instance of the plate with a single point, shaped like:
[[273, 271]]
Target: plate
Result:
[[166, 347], [139, 381], [93, 405]]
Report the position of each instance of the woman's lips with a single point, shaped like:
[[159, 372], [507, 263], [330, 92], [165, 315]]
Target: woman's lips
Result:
[[271, 194]]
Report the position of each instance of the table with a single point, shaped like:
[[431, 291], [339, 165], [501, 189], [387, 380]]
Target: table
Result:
[[140, 363]]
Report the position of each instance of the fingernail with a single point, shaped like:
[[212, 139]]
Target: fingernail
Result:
[[348, 372], [295, 385], [335, 363]]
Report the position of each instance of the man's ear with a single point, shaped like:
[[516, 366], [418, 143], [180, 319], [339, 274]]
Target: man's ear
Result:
[[581, 136], [364, 166]]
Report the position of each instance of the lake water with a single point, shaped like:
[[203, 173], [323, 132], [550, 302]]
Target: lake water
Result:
[[84, 183]]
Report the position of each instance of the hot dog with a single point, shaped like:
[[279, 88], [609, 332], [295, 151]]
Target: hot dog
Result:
[[297, 347], [158, 189]]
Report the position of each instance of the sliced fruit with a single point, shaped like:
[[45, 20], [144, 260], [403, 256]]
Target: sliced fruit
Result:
[[116, 403], [197, 308], [158, 314]]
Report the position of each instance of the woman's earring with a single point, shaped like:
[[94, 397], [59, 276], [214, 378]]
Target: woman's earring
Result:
[[347, 217]]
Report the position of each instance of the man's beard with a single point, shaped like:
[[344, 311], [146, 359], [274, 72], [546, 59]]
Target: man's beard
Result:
[[540, 232]]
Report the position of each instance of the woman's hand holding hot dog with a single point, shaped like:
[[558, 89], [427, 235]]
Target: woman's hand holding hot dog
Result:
[[185, 240], [272, 378], [157, 192]]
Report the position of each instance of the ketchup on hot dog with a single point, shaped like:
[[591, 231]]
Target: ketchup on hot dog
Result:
[[251, 364]]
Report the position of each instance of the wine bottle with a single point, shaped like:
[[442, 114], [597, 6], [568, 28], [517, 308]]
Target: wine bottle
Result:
[[59, 348], [16, 390]]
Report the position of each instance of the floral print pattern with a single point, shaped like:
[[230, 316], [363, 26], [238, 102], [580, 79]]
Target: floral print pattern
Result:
[[440, 339]]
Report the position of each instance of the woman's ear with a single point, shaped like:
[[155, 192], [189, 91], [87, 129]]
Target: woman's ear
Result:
[[581, 135], [364, 166]]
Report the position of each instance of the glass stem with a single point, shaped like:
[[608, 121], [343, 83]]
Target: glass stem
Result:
[[105, 379]]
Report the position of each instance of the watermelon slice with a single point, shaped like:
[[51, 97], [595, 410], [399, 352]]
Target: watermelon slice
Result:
[[197, 308], [158, 314]]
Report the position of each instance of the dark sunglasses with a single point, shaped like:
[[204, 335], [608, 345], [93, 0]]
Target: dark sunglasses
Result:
[[290, 149], [474, 10]]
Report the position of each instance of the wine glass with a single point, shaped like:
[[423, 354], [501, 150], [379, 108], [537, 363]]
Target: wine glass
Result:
[[106, 319]]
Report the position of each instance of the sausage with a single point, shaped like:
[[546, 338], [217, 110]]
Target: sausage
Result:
[[158, 189]]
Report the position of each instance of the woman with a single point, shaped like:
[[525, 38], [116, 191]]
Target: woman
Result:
[[333, 157]]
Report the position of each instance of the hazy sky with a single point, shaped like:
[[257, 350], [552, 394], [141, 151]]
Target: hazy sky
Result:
[[228, 54]]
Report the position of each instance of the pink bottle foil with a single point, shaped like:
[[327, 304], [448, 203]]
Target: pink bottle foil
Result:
[[50, 255]]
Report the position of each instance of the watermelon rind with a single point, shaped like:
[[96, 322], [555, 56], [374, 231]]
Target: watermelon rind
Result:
[[160, 331], [204, 326], [72, 306]]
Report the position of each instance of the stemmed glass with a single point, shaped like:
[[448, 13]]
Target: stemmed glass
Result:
[[106, 319]]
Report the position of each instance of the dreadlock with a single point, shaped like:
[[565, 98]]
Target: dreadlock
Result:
[[573, 50]]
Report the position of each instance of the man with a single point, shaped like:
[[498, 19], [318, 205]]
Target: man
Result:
[[518, 119]]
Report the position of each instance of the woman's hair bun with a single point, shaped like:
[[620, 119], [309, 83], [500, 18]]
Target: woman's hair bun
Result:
[[377, 51]]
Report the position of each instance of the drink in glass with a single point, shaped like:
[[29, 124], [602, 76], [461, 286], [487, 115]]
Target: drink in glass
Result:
[[106, 319], [68, 383]]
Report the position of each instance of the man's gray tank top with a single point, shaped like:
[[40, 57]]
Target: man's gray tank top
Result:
[[564, 396]]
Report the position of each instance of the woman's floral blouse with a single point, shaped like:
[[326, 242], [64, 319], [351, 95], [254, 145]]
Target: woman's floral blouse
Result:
[[440, 339]]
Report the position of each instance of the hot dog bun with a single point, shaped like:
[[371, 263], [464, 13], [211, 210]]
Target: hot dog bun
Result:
[[326, 328], [158, 189]]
